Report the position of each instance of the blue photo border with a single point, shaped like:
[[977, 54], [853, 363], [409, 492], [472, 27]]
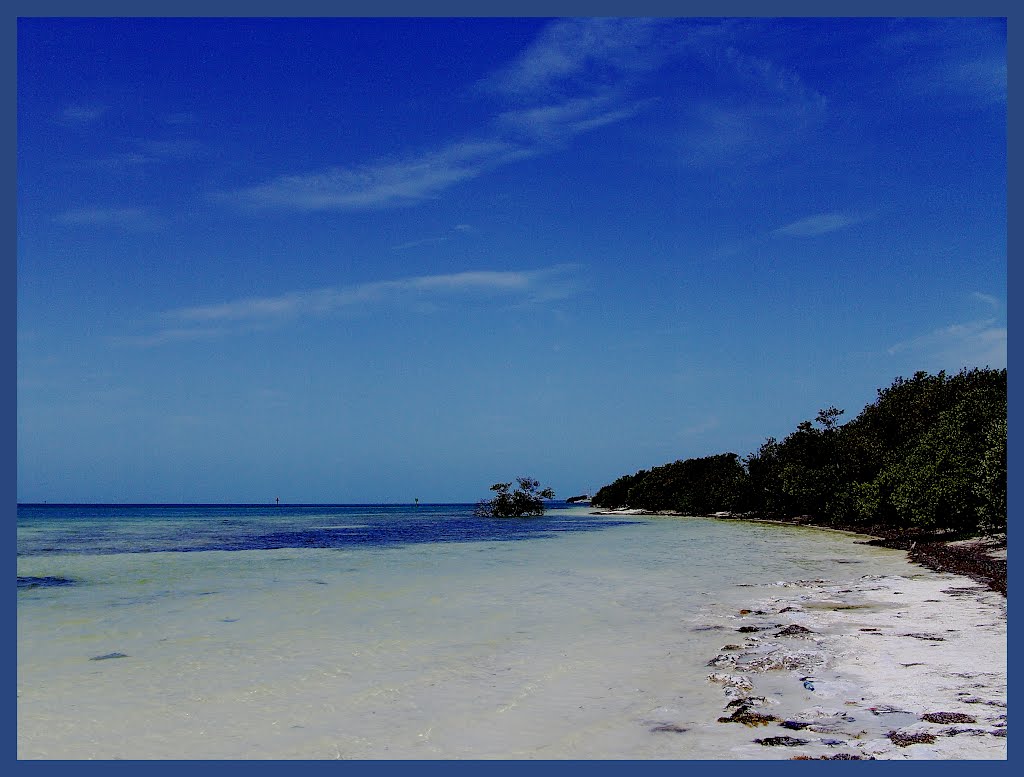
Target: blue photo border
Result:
[[316, 8]]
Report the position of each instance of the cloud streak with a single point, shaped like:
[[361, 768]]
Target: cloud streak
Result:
[[82, 115], [562, 120], [572, 52], [766, 110], [382, 184], [423, 241], [171, 335], [244, 314], [458, 229], [972, 344], [128, 218], [956, 58], [820, 224], [988, 299], [326, 300], [577, 76], [590, 58]]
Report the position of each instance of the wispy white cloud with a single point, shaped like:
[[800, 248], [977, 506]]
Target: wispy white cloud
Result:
[[384, 183], [82, 114], [178, 119], [778, 79], [588, 51], [424, 241], [766, 112], [516, 135], [170, 335], [125, 160], [741, 130], [963, 83], [127, 218], [950, 57], [318, 301], [819, 224], [589, 58], [972, 344], [988, 299], [178, 148], [570, 117], [458, 229], [417, 294], [577, 76], [984, 78], [144, 153], [760, 108], [706, 425]]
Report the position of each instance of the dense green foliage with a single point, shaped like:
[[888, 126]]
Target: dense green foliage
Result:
[[525, 500], [695, 486], [930, 453]]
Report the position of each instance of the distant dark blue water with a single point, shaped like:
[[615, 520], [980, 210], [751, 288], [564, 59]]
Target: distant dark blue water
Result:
[[104, 529]]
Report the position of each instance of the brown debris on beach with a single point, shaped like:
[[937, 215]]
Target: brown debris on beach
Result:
[[847, 678]]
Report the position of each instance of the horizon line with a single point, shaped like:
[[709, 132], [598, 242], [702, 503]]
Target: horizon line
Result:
[[245, 504]]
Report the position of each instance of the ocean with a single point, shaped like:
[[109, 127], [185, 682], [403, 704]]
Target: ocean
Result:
[[390, 631]]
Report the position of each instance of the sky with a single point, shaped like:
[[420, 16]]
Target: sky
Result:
[[358, 260]]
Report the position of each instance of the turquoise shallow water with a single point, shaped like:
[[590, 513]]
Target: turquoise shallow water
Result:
[[388, 631]]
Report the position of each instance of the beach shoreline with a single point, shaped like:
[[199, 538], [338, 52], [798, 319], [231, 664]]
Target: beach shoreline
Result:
[[983, 559], [886, 667]]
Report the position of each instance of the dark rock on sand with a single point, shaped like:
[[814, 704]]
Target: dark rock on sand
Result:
[[747, 717], [974, 732], [887, 709], [671, 728], [722, 659], [750, 701], [792, 630], [795, 725], [836, 757], [948, 717], [978, 560], [989, 702], [107, 656], [773, 662], [908, 738], [782, 742]]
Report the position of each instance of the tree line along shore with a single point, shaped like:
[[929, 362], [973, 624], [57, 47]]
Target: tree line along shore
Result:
[[922, 468]]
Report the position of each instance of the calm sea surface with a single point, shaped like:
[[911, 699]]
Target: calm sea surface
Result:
[[387, 631]]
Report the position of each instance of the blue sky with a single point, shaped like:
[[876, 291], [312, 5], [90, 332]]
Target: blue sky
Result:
[[346, 260]]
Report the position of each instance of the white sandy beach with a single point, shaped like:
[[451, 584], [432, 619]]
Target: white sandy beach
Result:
[[889, 667], [877, 659]]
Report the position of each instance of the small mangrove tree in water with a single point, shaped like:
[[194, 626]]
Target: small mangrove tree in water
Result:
[[527, 499]]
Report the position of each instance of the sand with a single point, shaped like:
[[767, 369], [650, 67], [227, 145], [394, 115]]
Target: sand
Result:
[[879, 657]]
